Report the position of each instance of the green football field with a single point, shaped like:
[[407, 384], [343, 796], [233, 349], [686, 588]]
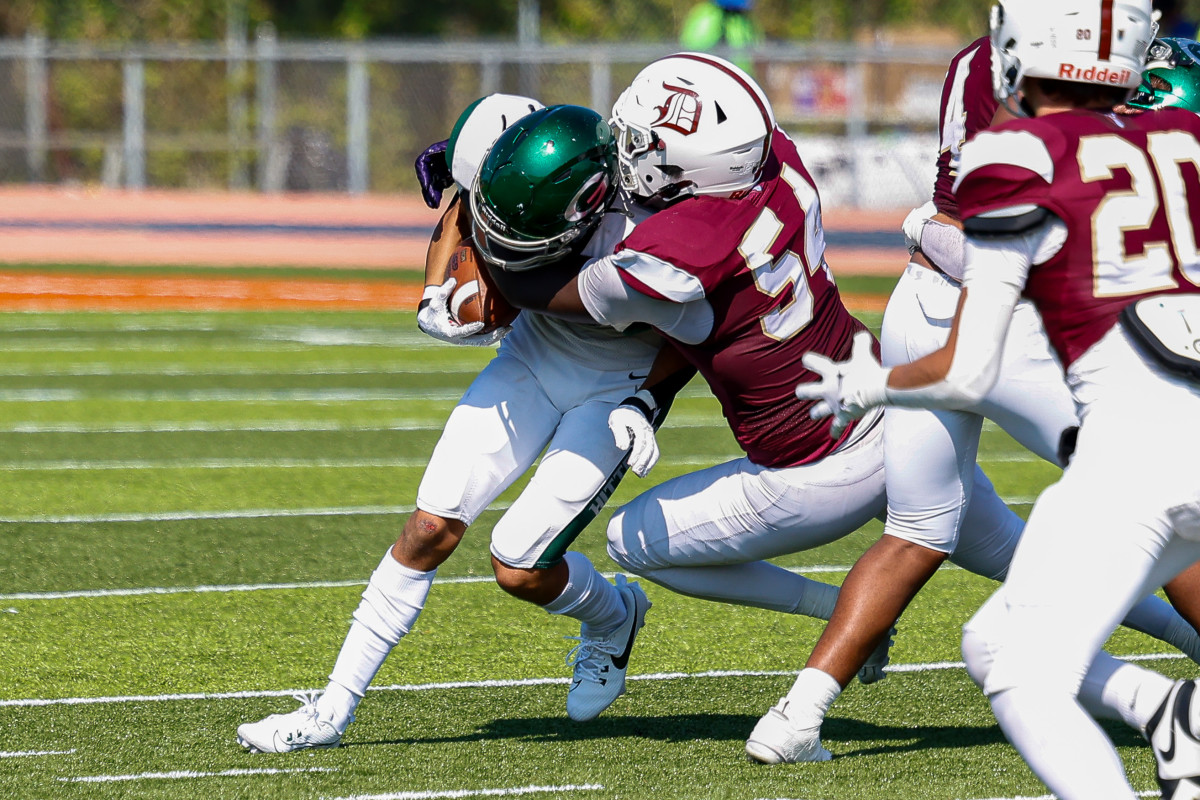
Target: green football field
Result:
[[192, 504]]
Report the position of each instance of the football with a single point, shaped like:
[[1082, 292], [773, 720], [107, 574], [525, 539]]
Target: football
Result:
[[475, 297]]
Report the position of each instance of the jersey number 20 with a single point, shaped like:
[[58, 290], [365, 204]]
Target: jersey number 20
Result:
[[1118, 273]]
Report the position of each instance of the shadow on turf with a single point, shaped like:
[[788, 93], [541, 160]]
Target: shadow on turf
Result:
[[838, 733]]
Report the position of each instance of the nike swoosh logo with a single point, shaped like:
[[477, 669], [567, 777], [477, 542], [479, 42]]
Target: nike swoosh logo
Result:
[[633, 376], [1183, 707], [1179, 713], [620, 661]]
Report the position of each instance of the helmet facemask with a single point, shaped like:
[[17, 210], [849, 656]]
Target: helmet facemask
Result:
[[1171, 78]]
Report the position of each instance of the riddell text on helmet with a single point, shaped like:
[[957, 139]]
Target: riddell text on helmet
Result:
[[1094, 74]]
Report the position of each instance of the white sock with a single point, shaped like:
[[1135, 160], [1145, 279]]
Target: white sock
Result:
[[589, 598], [390, 606], [810, 698], [1116, 689]]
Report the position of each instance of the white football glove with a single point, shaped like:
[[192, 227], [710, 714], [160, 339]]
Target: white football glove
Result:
[[433, 318], [914, 224], [632, 431], [848, 389]]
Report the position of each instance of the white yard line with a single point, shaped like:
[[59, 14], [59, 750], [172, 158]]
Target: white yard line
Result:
[[491, 684], [332, 395], [107, 369], [457, 793], [262, 587], [34, 753], [213, 463], [183, 774], [431, 423], [1148, 793], [182, 516]]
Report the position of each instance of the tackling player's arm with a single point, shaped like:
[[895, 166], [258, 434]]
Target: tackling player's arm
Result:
[[634, 421], [597, 293]]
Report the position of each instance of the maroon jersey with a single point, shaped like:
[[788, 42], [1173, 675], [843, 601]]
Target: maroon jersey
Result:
[[968, 105], [1128, 191], [759, 261]]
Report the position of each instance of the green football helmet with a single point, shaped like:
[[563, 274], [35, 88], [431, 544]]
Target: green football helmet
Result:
[[1171, 78], [543, 186]]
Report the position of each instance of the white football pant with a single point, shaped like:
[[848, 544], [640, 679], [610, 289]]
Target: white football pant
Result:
[[931, 454], [534, 396]]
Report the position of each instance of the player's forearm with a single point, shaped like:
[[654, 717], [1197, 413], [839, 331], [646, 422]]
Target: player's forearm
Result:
[[447, 235]]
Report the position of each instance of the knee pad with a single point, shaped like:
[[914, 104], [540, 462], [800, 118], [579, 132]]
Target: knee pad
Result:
[[980, 638], [620, 537], [977, 654]]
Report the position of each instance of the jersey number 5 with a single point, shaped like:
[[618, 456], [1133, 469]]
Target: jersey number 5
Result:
[[772, 276], [1117, 273]]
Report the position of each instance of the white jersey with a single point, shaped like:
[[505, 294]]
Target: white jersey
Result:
[[597, 346]]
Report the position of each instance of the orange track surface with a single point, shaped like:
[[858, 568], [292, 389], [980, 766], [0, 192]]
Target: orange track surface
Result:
[[23, 207]]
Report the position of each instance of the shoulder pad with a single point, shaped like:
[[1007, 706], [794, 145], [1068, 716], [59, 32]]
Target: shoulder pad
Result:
[[1006, 221]]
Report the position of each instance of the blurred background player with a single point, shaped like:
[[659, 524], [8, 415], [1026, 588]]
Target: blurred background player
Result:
[[720, 25], [551, 386], [1118, 288], [930, 454]]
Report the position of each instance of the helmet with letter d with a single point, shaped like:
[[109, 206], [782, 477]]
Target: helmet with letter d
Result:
[[691, 123], [1099, 42], [1171, 78], [543, 186]]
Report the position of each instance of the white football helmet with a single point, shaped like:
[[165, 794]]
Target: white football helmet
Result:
[[1088, 41], [691, 123]]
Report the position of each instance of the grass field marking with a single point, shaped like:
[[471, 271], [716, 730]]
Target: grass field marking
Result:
[[937, 666], [455, 793], [433, 422], [34, 753], [263, 587], [276, 463], [253, 426], [213, 463], [183, 774], [339, 395], [1145, 793], [250, 513], [106, 369]]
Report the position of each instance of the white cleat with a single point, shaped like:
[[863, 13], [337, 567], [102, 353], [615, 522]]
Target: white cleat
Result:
[[301, 729], [600, 662], [1172, 735], [777, 740], [873, 670]]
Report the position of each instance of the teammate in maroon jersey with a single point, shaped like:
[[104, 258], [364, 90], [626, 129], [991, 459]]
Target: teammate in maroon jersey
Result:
[[1092, 217], [929, 454]]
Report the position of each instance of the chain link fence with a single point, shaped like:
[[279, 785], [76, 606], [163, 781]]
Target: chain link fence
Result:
[[330, 116]]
